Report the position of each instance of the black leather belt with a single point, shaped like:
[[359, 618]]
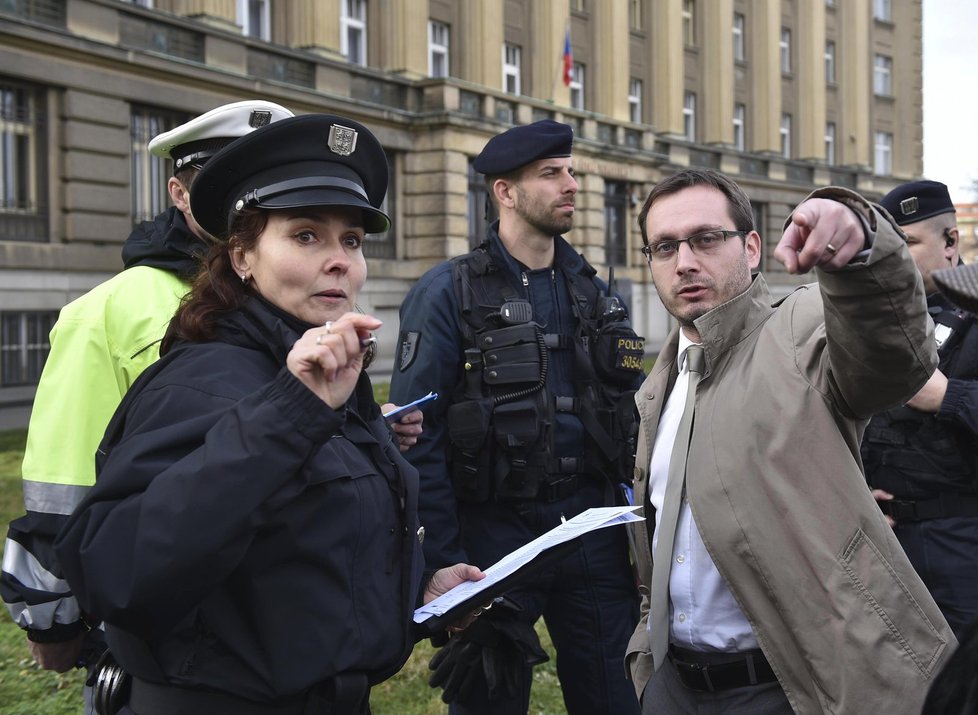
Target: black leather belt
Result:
[[710, 672], [946, 504], [345, 694]]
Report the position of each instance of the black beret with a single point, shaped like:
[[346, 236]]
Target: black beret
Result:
[[917, 200], [523, 145], [310, 160]]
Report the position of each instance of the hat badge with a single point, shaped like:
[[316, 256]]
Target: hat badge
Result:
[[259, 118], [342, 140], [909, 206]]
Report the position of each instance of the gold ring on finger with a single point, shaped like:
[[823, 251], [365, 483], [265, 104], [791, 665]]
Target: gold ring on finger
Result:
[[831, 249]]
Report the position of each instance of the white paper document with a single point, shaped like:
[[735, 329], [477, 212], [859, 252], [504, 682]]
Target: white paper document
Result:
[[590, 520]]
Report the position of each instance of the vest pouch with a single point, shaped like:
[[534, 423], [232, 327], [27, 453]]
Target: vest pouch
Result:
[[617, 353], [510, 335], [517, 424], [517, 429], [469, 424]]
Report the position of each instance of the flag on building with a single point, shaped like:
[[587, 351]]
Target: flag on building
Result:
[[568, 59]]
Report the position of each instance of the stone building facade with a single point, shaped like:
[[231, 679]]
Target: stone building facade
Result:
[[784, 95]]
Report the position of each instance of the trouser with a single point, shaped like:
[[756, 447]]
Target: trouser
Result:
[[665, 694], [589, 602], [944, 552]]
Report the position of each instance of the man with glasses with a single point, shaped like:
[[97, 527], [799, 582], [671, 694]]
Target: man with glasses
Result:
[[922, 457], [777, 585]]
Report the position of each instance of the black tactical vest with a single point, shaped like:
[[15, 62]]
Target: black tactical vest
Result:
[[913, 454], [501, 423]]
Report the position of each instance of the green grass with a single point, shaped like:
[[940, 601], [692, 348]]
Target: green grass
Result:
[[25, 689]]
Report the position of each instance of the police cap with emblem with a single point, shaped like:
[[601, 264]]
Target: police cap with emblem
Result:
[[917, 200], [519, 146], [193, 143], [310, 160]]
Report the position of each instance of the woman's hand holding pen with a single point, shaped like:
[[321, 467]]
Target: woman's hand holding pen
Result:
[[328, 359]]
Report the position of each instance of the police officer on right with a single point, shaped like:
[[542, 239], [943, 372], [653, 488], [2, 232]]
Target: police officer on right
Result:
[[922, 459], [535, 365]]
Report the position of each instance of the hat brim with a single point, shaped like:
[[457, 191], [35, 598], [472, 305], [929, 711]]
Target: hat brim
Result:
[[960, 285], [374, 220]]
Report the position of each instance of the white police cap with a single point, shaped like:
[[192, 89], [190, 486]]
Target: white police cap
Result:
[[202, 137]]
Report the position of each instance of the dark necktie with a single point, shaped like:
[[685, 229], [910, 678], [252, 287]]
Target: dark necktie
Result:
[[675, 486]]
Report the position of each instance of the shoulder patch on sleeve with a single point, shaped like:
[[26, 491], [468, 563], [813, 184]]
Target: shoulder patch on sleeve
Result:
[[409, 349]]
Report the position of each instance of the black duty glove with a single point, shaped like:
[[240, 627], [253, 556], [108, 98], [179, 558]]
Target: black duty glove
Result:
[[490, 656]]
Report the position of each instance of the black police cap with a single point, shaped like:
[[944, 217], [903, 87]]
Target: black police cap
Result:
[[519, 146], [310, 160], [917, 200]]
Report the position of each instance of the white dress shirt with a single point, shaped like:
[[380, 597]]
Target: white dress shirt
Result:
[[704, 614]]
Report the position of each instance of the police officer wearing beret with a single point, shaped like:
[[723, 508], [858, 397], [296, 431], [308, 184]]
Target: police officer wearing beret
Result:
[[535, 365], [99, 346], [252, 542], [922, 459]]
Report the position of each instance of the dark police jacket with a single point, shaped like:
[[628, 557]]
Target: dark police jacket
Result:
[[242, 536], [432, 357], [917, 455]]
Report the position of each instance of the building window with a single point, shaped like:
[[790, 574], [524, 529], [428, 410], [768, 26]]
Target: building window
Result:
[[785, 46], [738, 37], [883, 10], [23, 162], [353, 30], [689, 116], [481, 210], [689, 23], [437, 49], [635, 100], [577, 5], [882, 75], [511, 68], [384, 245], [830, 62], [740, 141], [635, 14], [24, 346], [149, 173], [577, 86], [615, 223], [883, 153], [786, 136], [253, 16], [830, 143]]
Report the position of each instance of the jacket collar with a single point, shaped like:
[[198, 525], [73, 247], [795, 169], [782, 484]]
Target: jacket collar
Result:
[[565, 257], [728, 323]]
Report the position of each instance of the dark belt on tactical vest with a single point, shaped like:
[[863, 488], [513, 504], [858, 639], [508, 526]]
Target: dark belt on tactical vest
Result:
[[710, 672], [345, 694], [944, 505]]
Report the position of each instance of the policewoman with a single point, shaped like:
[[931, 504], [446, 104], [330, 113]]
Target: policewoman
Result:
[[252, 541], [535, 365]]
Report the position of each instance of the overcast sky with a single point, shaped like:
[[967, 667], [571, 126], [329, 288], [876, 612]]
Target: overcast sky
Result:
[[951, 95]]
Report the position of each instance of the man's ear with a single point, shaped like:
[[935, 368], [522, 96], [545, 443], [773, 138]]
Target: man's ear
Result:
[[179, 194], [503, 190], [950, 237]]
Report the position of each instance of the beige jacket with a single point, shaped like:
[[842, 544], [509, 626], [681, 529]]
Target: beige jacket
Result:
[[775, 483]]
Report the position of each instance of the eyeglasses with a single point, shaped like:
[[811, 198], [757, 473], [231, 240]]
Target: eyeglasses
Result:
[[704, 243]]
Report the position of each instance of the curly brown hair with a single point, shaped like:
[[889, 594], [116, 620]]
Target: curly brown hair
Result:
[[217, 289]]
